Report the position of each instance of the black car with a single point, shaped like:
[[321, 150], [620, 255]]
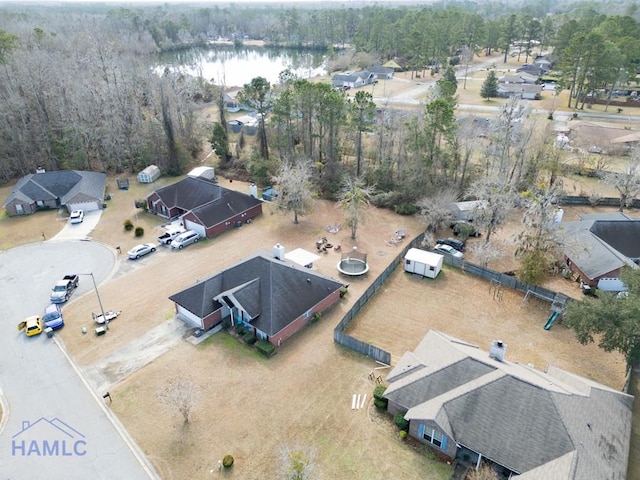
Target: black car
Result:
[[452, 242]]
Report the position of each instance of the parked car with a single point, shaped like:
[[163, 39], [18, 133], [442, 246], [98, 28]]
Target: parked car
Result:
[[52, 317], [141, 250], [464, 227], [442, 248], [77, 216], [167, 237], [63, 289], [31, 325], [452, 242], [184, 239]]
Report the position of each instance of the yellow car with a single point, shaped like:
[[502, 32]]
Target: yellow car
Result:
[[31, 326]]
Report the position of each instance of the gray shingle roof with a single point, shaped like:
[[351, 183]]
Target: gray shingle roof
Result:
[[546, 426], [276, 291]]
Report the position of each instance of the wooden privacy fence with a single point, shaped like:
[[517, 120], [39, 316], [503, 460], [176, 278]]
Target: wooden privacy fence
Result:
[[600, 202], [341, 338]]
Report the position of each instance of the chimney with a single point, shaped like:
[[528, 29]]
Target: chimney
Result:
[[278, 251], [497, 350]]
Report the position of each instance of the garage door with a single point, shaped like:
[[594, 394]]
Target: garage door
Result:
[[86, 206], [189, 317], [196, 227], [611, 285]]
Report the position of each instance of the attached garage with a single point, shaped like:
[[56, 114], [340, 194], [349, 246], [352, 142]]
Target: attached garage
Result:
[[190, 317], [420, 262], [86, 205], [196, 227]]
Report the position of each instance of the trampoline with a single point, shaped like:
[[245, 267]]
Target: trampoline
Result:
[[353, 263]]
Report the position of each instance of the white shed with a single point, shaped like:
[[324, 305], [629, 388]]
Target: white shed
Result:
[[420, 262], [203, 172], [149, 174]]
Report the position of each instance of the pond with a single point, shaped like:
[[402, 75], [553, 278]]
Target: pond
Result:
[[232, 66]]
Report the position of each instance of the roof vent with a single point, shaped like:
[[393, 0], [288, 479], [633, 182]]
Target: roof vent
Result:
[[278, 251], [497, 350]]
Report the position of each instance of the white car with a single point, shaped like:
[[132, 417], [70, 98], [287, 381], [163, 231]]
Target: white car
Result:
[[440, 247], [141, 250], [184, 239], [77, 216]]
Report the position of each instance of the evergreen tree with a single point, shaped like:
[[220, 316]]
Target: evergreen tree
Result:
[[490, 86]]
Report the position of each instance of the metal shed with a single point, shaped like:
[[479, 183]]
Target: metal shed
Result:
[[421, 262], [149, 174]]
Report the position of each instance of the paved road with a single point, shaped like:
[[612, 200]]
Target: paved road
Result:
[[54, 426]]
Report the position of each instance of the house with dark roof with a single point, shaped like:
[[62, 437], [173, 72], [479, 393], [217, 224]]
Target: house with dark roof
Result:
[[477, 407], [269, 295], [385, 73], [353, 79], [597, 247], [524, 90], [70, 189], [204, 206]]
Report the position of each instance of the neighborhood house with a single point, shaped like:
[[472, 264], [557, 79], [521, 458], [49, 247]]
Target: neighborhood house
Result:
[[71, 189], [204, 206], [477, 407], [273, 298]]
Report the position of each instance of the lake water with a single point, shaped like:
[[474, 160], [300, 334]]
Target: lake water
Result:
[[231, 66]]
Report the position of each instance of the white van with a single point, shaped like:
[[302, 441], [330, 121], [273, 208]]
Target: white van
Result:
[[184, 239]]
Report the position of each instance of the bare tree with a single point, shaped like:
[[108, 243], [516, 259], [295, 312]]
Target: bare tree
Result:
[[627, 182], [354, 198], [297, 463], [437, 210], [181, 393], [486, 253], [294, 182], [498, 200]]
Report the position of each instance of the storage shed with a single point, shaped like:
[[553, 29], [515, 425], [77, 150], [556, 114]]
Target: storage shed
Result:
[[149, 174], [203, 172], [420, 262], [468, 210]]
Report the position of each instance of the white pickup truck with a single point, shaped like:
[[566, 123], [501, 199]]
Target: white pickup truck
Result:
[[167, 237]]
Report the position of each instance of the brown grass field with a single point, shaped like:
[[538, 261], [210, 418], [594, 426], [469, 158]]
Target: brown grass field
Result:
[[251, 407]]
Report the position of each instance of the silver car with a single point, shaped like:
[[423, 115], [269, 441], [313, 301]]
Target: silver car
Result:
[[441, 248], [184, 239], [141, 250]]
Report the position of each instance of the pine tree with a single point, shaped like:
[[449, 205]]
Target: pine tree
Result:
[[490, 86]]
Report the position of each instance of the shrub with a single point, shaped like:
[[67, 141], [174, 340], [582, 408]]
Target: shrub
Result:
[[406, 208], [380, 403], [403, 434], [227, 461], [343, 291], [400, 421], [139, 231], [128, 225], [140, 203], [316, 317], [266, 348], [249, 338], [378, 392]]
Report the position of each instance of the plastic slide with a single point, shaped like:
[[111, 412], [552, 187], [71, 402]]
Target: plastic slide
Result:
[[552, 318]]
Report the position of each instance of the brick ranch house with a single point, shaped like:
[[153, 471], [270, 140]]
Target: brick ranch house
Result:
[[272, 297], [477, 407], [204, 206]]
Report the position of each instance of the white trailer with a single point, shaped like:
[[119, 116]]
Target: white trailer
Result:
[[420, 262]]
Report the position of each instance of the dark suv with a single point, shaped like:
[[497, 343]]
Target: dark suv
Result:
[[452, 242]]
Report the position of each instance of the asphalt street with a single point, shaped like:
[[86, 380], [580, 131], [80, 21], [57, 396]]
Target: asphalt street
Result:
[[54, 425]]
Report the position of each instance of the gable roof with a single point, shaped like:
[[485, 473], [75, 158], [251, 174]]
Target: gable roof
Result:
[[552, 425], [598, 247], [207, 200], [271, 291], [59, 184], [381, 69]]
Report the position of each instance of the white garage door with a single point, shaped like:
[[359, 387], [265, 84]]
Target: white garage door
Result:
[[196, 227], [189, 317], [86, 206]]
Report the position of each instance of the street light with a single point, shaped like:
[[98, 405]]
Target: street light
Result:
[[106, 322]]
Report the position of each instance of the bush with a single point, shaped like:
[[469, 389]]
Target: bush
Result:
[[406, 208], [128, 225], [400, 421], [227, 461], [139, 231], [380, 403], [266, 348], [387, 199], [249, 338], [316, 317], [403, 434], [378, 392], [343, 291], [140, 203]]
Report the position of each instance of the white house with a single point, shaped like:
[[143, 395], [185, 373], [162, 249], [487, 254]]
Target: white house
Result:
[[420, 262]]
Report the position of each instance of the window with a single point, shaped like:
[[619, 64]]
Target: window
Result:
[[433, 436]]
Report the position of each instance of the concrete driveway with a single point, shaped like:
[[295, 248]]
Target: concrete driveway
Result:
[[54, 426], [79, 231]]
